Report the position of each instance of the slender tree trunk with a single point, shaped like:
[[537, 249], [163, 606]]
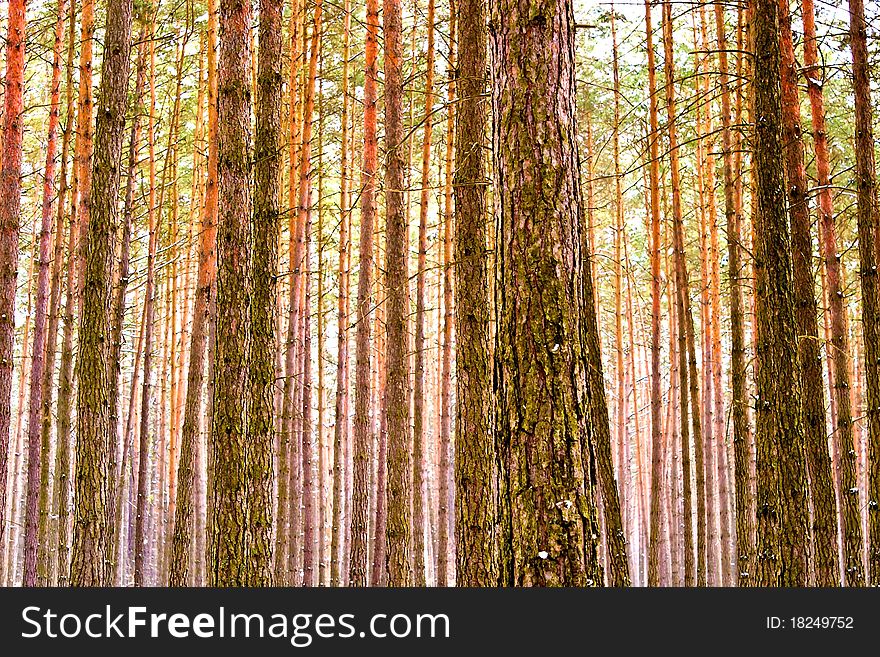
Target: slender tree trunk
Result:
[[624, 473], [287, 471], [419, 401], [444, 512], [143, 493], [362, 433], [737, 373], [49, 532], [341, 433], [842, 435], [205, 292], [654, 547], [683, 310], [866, 213], [781, 472], [89, 565], [36, 512]]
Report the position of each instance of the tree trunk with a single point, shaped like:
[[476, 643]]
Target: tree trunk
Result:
[[266, 224], [362, 433], [205, 291], [341, 433], [682, 308], [36, 513], [547, 418], [824, 525], [842, 436], [397, 300], [475, 464], [781, 473], [229, 522], [866, 213], [10, 218], [89, 564], [654, 574], [49, 533]]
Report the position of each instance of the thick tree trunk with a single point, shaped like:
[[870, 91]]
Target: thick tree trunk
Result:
[[266, 224], [229, 564], [547, 420], [824, 524], [781, 471], [397, 300]]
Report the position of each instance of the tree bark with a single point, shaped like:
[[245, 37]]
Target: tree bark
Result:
[[475, 461], [10, 218], [818, 460], [546, 419], [90, 562], [866, 215], [780, 471], [842, 436], [362, 433], [229, 523]]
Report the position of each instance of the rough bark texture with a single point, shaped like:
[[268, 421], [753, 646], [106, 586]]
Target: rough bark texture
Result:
[[853, 570], [362, 433], [866, 215], [90, 558], [545, 425], [266, 224], [228, 564], [781, 471], [10, 217], [824, 516], [397, 300], [475, 464]]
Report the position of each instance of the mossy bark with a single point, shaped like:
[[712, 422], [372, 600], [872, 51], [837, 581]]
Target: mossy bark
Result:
[[546, 424]]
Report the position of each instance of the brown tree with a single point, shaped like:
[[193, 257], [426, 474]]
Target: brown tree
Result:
[[228, 562], [89, 558], [781, 471], [544, 423]]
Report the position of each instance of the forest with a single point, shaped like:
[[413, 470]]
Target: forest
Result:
[[439, 293]]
